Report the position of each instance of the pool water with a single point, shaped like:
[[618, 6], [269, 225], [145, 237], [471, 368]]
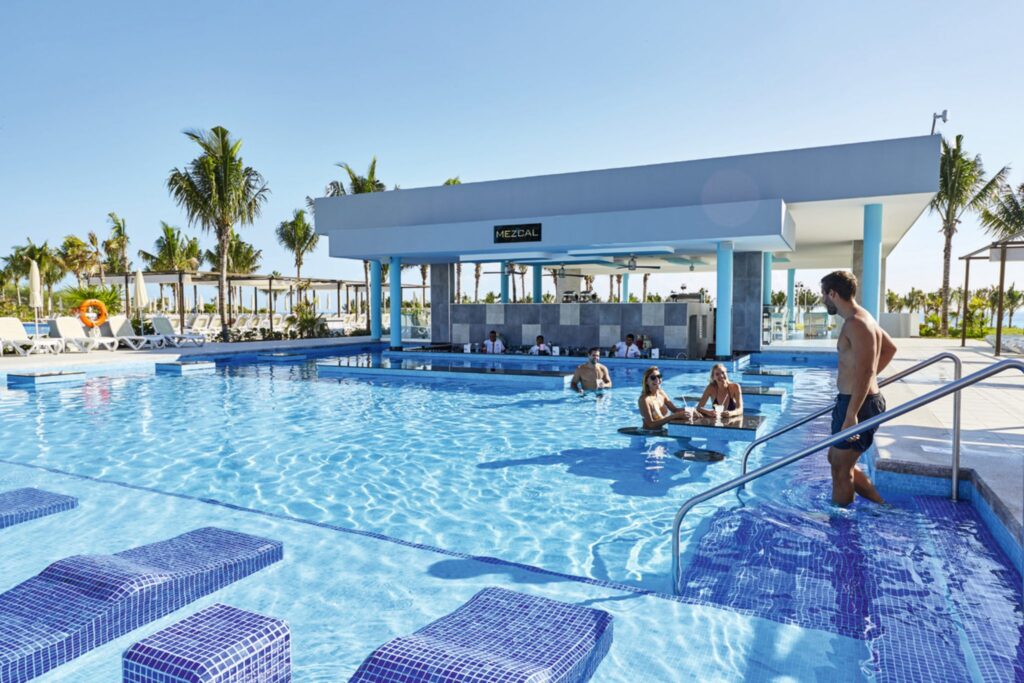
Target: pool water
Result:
[[541, 478]]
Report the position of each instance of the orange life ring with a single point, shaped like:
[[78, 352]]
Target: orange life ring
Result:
[[86, 308]]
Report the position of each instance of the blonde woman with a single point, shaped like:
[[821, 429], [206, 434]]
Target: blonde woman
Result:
[[656, 408], [720, 391]]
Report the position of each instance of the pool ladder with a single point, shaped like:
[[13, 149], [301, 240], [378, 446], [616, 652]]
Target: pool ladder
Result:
[[959, 383]]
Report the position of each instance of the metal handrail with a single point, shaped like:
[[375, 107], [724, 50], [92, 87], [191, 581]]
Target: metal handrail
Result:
[[945, 355], [870, 423]]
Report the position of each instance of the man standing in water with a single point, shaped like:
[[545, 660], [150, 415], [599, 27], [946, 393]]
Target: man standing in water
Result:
[[864, 351], [591, 375]]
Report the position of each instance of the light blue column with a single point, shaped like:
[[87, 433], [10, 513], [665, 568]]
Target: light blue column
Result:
[[538, 283], [375, 312], [723, 312], [791, 296], [396, 302], [503, 265], [766, 278], [870, 288], [625, 288]]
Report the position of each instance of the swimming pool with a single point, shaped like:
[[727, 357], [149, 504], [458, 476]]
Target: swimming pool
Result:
[[538, 478]]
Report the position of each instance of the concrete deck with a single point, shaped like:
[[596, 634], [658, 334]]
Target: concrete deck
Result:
[[12, 363]]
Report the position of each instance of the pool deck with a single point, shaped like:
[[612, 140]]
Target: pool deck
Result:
[[992, 422]]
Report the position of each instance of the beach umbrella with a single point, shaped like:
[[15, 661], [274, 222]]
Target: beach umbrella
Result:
[[199, 303], [141, 298], [35, 290]]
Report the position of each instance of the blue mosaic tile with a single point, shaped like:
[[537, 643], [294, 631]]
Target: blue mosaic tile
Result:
[[990, 620], [220, 644], [21, 505], [81, 602], [498, 636]]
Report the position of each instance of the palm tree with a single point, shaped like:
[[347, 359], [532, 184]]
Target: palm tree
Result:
[[358, 184], [116, 246], [962, 187], [172, 251], [16, 265], [242, 257], [96, 252], [618, 287], [893, 302], [75, 255], [299, 237], [217, 190], [611, 288], [424, 273], [1005, 217], [51, 270], [478, 270], [646, 276], [1013, 298]]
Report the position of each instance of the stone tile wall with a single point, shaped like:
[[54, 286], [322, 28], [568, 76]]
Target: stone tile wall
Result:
[[583, 325], [747, 301]]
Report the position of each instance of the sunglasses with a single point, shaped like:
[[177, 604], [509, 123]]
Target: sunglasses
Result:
[[657, 377]]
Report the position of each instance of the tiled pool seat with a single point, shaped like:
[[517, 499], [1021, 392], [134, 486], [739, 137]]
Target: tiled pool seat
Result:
[[81, 602], [221, 644], [499, 635], [21, 505]]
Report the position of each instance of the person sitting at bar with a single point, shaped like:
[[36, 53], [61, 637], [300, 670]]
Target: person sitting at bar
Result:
[[540, 348], [656, 408], [591, 375], [492, 344], [626, 349], [720, 391]]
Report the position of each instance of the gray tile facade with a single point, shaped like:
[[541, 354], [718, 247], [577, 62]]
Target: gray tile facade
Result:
[[585, 325], [747, 302]]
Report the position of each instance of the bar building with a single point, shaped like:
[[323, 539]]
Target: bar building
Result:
[[842, 206]]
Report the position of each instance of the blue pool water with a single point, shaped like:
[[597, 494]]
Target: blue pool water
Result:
[[538, 479]]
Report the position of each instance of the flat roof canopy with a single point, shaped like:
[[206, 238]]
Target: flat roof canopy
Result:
[[806, 206]]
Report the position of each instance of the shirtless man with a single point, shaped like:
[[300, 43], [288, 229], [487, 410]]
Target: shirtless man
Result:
[[591, 375], [864, 351]]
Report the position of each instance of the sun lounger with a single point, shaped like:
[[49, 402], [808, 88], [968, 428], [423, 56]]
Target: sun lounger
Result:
[[220, 644], [81, 602], [21, 505], [13, 336], [163, 326], [73, 333], [499, 635], [120, 328]]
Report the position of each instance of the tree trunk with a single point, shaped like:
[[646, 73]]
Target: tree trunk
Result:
[[476, 286], [948, 231], [644, 297], [611, 288], [458, 283], [512, 277], [17, 290], [222, 288]]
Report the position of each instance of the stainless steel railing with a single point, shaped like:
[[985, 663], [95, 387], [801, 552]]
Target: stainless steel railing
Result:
[[957, 369], [911, 405]]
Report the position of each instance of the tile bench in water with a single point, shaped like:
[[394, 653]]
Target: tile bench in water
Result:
[[21, 505], [81, 602], [185, 367], [498, 635], [27, 380], [220, 644]]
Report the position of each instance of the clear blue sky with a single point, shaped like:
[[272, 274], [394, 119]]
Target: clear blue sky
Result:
[[95, 96]]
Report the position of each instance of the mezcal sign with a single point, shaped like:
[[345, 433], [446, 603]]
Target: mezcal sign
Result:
[[524, 232]]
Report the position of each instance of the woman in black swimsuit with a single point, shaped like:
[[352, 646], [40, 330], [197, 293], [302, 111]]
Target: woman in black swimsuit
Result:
[[722, 392]]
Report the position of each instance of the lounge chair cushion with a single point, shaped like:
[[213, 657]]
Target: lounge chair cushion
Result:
[[498, 635], [84, 601]]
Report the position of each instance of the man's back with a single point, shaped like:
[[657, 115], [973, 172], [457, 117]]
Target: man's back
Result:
[[860, 345]]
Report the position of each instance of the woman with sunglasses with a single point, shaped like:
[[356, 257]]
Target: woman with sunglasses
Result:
[[656, 408], [720, 391]]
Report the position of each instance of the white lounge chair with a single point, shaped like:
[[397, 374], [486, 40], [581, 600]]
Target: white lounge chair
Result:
[[14, 336], [163, 326], [75, 336], [120, 328]]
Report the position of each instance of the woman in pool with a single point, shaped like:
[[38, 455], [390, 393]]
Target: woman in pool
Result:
[[656, 408], [721, 392]]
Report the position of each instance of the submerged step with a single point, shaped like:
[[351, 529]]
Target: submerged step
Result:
[[186, 367], [25, 380]]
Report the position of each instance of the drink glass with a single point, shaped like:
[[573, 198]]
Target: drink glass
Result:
[[718, 412]]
